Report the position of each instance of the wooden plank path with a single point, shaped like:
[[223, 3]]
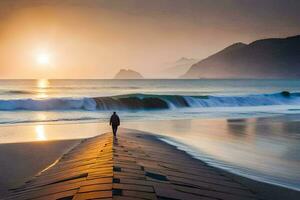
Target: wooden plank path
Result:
[[136, 166]]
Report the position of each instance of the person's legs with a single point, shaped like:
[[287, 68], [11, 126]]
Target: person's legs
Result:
[[114, 128]]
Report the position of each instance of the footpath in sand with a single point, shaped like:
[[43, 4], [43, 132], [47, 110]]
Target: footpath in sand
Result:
[[136, 166]]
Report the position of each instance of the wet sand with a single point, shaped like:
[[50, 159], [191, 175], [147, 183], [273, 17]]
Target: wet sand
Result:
[[21, 161], [266, 191], [263, 149], [139, 165]]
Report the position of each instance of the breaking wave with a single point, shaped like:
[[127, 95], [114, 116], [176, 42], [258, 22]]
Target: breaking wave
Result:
[[5, 92], [149, 102], [79, 119]]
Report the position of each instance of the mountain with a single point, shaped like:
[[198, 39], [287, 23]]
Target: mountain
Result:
[[128, 74], [177, 68], [267, 58]]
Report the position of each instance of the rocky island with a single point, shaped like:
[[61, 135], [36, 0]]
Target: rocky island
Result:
[[128, 74]]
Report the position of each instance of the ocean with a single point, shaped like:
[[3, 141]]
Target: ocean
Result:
[[248, 127], [26, 101]]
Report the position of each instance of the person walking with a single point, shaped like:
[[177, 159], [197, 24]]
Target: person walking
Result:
[[114, 122]]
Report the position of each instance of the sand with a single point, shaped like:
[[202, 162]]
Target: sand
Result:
[[21, 161], [140, 165], [265, 190]]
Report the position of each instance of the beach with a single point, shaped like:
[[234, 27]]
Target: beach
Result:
[[21, 161], [263, 149], [246, 128], [149, 100], [138, 165]]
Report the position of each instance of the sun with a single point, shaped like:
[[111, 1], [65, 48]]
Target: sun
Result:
[[43, 59]]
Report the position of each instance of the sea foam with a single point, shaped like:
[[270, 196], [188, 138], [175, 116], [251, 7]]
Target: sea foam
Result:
[[149, 102]]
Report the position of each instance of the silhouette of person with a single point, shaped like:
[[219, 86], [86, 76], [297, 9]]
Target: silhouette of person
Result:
[[114, 122]]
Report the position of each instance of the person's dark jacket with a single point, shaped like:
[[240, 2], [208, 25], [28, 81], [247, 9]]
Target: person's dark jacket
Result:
[[114, 120]]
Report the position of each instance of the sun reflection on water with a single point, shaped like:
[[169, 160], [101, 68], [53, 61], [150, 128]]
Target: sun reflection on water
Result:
[[41, 116], [42, 85], [40, 133]]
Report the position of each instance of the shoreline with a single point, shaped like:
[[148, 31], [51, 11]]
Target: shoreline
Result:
[[184, 148], [261, 148], [22, 161], [263, 190], [266, 190]]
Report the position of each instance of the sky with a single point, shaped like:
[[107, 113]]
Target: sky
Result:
[[96, 38]]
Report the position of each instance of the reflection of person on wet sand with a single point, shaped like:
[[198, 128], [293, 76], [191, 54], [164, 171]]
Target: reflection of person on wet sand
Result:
[[237, 127], [114, 122]]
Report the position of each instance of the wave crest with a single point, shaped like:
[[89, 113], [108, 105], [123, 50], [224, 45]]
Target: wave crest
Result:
[[149, 102]]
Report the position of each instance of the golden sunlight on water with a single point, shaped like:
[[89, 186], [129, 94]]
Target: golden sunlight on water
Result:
[[42, 85], [40, 133], [41, 116], [48, 132]]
